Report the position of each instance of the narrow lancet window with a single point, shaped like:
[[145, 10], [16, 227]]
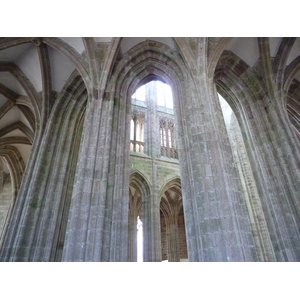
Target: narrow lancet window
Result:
[[137, 132], [167, 138]]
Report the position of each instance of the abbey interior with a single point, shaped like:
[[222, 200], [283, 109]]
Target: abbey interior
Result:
[[150, 149]]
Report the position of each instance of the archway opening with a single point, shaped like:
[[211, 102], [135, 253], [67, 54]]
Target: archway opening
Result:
[[140, 240], [135, 224], [153, 97], [173, 236], [153, 152]]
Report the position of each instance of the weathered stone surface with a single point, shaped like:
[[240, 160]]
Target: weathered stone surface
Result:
[[231, 196]]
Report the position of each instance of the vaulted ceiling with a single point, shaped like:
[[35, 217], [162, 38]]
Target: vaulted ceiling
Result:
[[25, 72]]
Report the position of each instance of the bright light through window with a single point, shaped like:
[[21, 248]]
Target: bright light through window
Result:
[[139, 94], [139, 240], [226, 110], [164, 95]]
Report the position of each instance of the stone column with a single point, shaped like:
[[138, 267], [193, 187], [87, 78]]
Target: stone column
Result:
[[273, 149], [151, 212], [217, 225], [173, 238], [1, 174], [261, 237], [276, 156], [32, 234], [98, 221]]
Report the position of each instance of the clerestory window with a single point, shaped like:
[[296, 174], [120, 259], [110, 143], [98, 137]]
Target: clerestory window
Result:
[[137, 132], [152, 120], [164, 95], [167, 138]]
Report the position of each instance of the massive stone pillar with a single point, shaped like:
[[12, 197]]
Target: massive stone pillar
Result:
[[151, 213], [217, 225], [259, 228], [151, 229], [274, 155], [258, 97], [98, 221], [41, 206]]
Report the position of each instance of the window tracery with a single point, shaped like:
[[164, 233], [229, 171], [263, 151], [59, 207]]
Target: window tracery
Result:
[[137, 132], [153, 102], [167, 138]]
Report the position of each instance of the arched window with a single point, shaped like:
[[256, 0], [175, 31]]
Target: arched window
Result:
[[164, 95], [167, 138], [152, 106], [137, 132], [139, 94]]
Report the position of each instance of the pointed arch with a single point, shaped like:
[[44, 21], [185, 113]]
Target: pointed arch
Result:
[[144, 61], [282, 54], [173, 234], [30, 90], [173, 186], [20, 126], [239, 85], [139, 181], [139, 197]]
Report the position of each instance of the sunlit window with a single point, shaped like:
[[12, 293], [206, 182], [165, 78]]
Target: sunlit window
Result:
[[137, 132], [140, 94], [164, 95], [159, 95], [167, 138], [139, 240], [132, 129]]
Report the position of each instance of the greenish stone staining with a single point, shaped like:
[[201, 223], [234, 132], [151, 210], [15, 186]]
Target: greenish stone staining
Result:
[[34, 204], [233, 195]]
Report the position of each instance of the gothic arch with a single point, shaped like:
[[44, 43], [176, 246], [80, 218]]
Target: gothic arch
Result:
[[242, 89], [235, 76], [254, 109], [30, 90], [144, 61], [58, 45], [139, 197], [169, 183], [173, 236], [173, 186], [140, 181]]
